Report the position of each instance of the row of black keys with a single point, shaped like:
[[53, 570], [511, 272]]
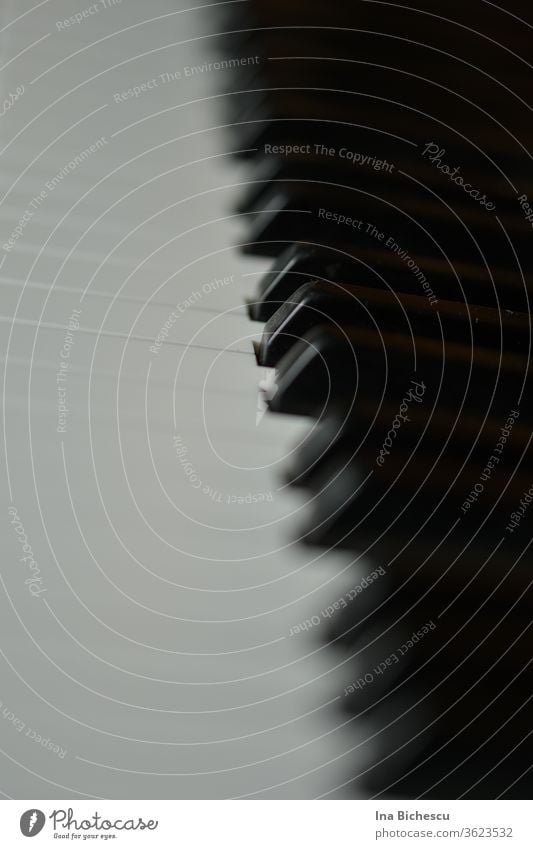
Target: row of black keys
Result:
[[397, 316], [350, 353], [443, 716]]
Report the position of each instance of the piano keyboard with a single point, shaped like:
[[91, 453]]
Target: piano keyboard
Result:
[[389, 176], [265, 339]]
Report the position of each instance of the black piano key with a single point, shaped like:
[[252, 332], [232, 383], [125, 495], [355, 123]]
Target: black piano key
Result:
[[345, 364], [358, 306], [356, 263], [370, 421], [304, 164], [303, 213], [410, 592], [298, 263], [356, 503], [418, 756], [426, 737]]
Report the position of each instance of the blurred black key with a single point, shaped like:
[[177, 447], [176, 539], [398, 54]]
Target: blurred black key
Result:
[[369, 422], [297, 264], [330, 215], [357, 501], [356, 263]]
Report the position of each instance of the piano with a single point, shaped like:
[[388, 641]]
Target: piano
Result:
[[266, 400]]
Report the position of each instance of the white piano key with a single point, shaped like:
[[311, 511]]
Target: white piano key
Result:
[[157, 652]]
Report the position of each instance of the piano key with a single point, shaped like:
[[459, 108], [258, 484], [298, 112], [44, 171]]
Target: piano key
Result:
[[243, 709], [299, 213], [319, 303], [357, 264], [414, 755], [356, 503], [297, 264], [344, 429], [350, 363]]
